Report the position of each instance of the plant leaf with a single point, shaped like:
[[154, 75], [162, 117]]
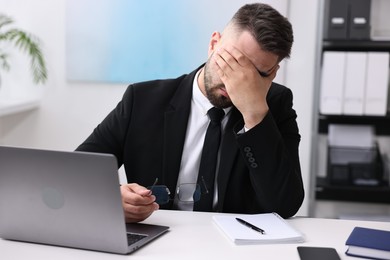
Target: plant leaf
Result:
[[29, 44], [5, 20], [3, 61]]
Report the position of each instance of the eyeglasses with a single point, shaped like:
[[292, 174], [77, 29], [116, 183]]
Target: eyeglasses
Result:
[[186, 192]]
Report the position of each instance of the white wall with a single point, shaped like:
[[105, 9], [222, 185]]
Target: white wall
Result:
[[70, 111], [300, 78]]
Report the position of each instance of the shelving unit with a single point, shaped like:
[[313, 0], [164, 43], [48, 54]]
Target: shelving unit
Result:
[[327, 191], [358, 45], [323, 190], [381, 123]]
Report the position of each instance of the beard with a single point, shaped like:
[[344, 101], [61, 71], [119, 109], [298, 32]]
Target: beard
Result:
[[212, 85]]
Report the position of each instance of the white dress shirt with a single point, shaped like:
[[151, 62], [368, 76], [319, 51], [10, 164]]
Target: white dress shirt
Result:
[[198, 122]]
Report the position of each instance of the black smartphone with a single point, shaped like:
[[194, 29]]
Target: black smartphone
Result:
[[317, 253]]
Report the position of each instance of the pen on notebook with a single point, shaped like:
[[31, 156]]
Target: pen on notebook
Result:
[[249, 225]]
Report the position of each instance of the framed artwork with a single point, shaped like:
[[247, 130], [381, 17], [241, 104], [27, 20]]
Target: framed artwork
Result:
[[127, 41]]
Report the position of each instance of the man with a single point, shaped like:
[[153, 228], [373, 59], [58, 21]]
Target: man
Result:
[[157, 130]]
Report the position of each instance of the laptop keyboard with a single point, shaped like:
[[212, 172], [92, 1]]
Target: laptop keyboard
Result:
[[133, 238]]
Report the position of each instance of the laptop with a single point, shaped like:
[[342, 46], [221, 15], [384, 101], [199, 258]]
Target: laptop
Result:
[[69, 199]]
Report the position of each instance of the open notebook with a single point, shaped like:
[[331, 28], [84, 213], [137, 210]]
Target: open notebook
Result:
[[276, 229]]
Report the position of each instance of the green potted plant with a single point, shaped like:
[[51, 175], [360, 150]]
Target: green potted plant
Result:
[[24, 42]]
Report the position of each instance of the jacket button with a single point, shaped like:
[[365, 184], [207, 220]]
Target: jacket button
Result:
[[254, 165], [247, 149], [251, 160]]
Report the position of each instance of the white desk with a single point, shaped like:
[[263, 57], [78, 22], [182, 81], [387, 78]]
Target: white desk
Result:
[[193, 235]]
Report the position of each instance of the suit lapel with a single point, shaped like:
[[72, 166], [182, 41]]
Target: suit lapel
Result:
[[229, 150], [175, 128]]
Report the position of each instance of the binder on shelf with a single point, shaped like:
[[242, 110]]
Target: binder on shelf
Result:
[[380, 20], [377, 83], [359, 23], [336, 20], [332, 82], [355, 81]]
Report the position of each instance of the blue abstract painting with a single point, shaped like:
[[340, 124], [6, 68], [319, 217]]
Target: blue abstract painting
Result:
[[128, 41]]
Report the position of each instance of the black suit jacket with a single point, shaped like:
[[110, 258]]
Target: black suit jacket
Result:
[[259, 170]]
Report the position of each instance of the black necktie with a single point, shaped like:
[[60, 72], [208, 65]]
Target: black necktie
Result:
[[208, 162]]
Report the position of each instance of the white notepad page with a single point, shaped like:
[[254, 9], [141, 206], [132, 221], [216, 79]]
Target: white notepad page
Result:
[[277, 230]]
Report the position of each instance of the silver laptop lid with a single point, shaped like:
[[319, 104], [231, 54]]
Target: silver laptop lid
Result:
[[69, 199]]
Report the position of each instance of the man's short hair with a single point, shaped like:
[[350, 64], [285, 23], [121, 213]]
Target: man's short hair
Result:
[[271, 30]]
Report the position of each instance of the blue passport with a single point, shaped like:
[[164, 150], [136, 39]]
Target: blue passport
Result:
[[369, 243]]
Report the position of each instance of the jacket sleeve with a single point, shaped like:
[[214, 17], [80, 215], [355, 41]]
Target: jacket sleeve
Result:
[[109, 136], [270, 151]]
